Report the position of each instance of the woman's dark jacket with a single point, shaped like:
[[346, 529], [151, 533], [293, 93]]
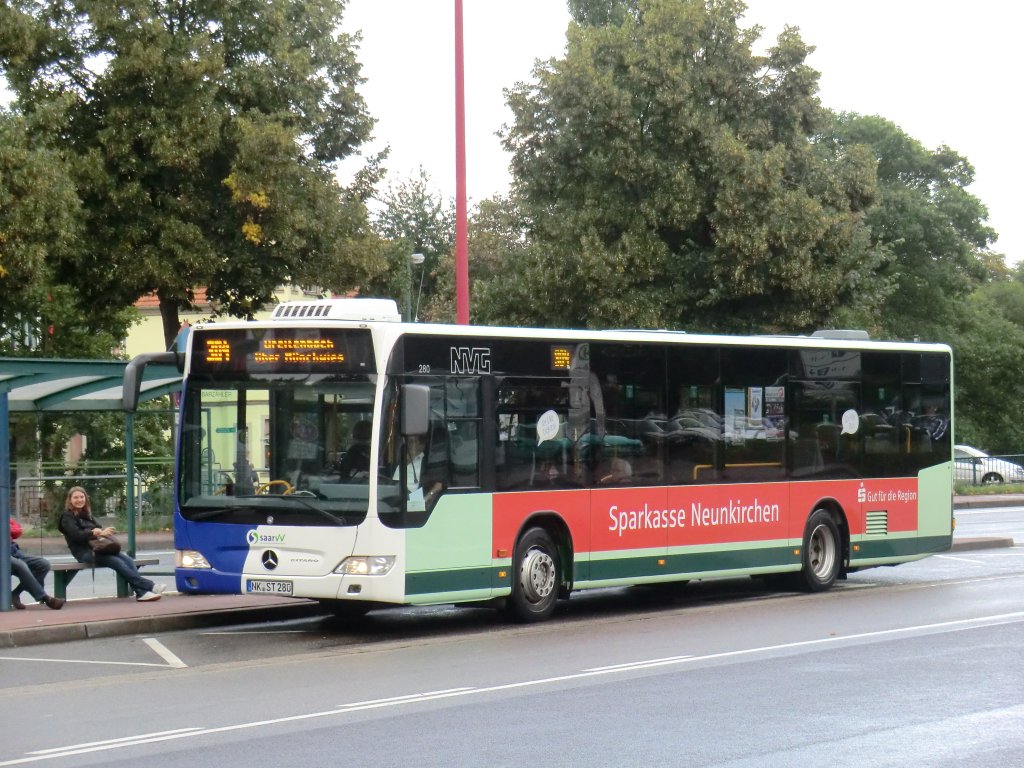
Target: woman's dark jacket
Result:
[[77, 533]]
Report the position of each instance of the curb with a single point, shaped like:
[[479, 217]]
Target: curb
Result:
[[136, 625], [976, 502], [982, 542]]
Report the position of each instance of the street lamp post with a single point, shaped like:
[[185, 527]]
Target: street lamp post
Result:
[[409, 313], [418, 259]]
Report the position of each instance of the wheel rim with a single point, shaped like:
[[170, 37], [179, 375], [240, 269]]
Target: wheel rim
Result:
[[537, 575], [821, 552]]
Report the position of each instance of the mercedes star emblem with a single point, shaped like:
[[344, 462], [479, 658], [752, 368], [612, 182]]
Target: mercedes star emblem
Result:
[[269, 559]]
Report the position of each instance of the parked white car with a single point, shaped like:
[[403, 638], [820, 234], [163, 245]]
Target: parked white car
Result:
[[974, 466]]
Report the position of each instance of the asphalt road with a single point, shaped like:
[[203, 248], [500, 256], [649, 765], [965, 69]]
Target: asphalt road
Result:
[[919, 664]]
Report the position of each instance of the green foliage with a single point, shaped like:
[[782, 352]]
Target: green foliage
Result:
[[970, 489], [41, 224], [499, 249], [670, 178], [925, 218], [414, 219], [989, 354], [1008, 297], [202, 140]]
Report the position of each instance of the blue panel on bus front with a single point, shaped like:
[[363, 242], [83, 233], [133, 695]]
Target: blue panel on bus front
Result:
[[224, 546]]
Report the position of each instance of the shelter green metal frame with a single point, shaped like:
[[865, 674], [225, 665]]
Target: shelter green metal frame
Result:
[[37, 385]]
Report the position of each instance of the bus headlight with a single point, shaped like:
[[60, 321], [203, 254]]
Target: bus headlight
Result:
[[190, 558], [378, 565]]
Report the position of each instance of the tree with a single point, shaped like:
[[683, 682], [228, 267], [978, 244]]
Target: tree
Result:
[[989, 351], [927, 220], [670, 177], [41, 224], [499, 250], [413, 219], [1008, 297], [203, 138]]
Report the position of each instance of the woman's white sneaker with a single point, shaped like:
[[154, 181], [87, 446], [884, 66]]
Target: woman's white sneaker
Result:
[[145, 597], [159, 588]]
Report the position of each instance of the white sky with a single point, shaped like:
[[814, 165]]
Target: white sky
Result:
[[945, 71]]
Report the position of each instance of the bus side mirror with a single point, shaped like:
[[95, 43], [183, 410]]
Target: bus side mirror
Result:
[[133, 373], [415, 409]]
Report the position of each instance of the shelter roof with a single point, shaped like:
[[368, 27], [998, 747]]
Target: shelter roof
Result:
[[40, 384]]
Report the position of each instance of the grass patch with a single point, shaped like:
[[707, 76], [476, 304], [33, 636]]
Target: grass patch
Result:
[[968, 489]]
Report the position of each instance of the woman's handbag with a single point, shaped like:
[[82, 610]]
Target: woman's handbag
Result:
[[105, 545]]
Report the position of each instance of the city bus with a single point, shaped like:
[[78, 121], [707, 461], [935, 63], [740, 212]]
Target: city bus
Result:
[[334, 452]]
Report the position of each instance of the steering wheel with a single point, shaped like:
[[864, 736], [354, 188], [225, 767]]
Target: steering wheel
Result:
[[264, 488]]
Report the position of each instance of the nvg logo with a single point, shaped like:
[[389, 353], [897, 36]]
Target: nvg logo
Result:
[[471, 360], [255, 537]]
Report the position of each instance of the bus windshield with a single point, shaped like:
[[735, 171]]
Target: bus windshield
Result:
[[287, 448]]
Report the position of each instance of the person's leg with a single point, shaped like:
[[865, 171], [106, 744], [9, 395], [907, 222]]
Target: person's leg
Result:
[[28, 581], [125, 566], [39, 566]]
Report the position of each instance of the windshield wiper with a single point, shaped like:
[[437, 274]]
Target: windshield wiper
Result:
[[210, 514], [313, 507]]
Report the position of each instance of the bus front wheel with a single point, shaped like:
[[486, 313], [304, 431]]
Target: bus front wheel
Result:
[[536, 575], [822, 556]]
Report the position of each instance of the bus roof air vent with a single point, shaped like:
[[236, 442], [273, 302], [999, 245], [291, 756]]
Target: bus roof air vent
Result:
[[839, 333], [385, 310]]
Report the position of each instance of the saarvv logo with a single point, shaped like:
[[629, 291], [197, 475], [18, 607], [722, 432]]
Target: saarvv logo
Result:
[[254, 537]]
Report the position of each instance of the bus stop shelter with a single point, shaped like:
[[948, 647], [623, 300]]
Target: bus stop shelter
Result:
[[37, 385]]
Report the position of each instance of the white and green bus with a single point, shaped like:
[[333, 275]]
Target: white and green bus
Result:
[[337, 453]]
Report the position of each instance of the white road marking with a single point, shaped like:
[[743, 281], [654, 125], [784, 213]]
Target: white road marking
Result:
[[406, 698], [164, 653], [161, 650], [959, 559], [418, 698], [259, 632], [639, 664], [85, 661], [113, 741]]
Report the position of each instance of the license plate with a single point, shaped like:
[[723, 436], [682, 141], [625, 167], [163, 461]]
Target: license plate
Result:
[[268, 587]]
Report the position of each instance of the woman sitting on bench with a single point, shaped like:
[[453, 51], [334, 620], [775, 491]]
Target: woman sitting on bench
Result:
[[78, 527]]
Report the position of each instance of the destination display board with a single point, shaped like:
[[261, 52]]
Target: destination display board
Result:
[[282, 350]]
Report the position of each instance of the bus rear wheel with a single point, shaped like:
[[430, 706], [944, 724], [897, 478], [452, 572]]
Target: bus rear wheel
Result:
[[536, 575], [822, 553]]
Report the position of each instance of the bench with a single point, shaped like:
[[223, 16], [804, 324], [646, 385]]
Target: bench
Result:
[[63, 573]]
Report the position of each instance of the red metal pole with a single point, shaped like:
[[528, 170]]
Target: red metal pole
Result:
[[461, 235]]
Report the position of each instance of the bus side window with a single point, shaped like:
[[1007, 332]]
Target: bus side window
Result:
[[526, 459], [462, 425]]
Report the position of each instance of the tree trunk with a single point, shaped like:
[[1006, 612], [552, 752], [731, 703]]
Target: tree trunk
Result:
[[169, 316]]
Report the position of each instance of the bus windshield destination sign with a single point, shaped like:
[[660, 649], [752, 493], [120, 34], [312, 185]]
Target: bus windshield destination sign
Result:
[[278, 350]]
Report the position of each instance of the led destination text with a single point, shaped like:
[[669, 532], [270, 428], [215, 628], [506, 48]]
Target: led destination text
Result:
[[276, 351], [735, 513], [299, 357]]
